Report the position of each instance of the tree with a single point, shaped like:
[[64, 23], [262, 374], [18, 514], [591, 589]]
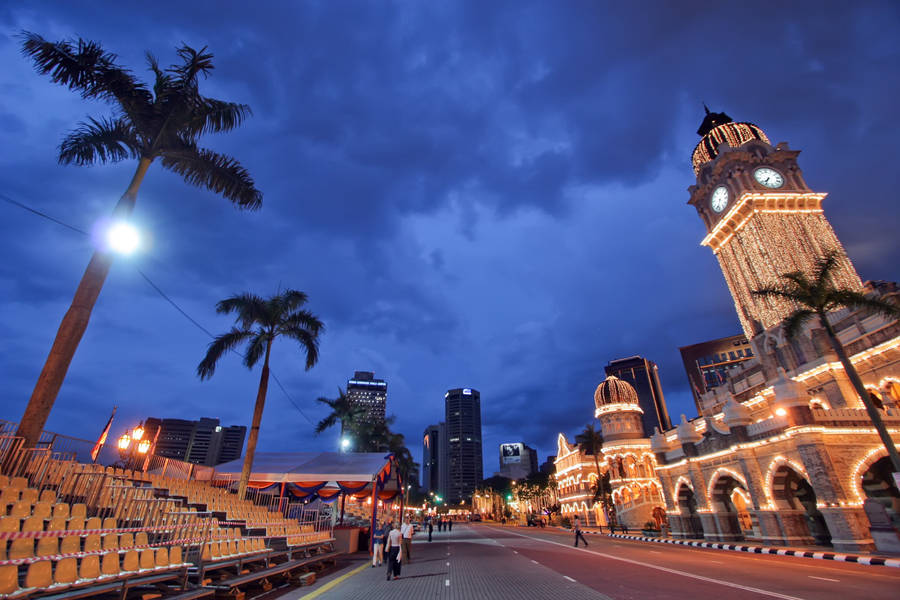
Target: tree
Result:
[[259, 322], [590, 441], [814, 299], [147, 124], [343, 411]]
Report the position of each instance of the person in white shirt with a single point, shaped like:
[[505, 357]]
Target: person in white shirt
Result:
[[406, 533], [393, 549]]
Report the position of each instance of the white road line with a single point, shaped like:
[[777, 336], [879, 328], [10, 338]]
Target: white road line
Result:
[[535, 562], [447, 582], [515, 552], [718, 562], [448, 563], [569, 578], [823, 578], [655, 551], [665, 569]]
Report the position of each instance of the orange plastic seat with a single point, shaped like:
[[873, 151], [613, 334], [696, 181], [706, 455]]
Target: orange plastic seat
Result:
[[9, 579], [75, 524], [126, 540], [162, 557], [61, 509], [70, 544], [48, 546], [66, 572], [56, 524], [8, 497], [147, 560], [29, 495], [90, 567], [18, 483], [39, 575], [175, 555], [93, 523], [109, 564], [141, 539], [79, 510], [21, 509], [48, 496], [130, 561], [92, 543], [109, 523], [33, 524], [23, 548], [42, 510], [111, 541]]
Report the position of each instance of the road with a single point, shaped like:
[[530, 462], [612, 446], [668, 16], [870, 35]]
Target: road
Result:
[[483, 562]]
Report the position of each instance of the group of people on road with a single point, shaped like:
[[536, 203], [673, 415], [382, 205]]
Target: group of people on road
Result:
[[393, 540]]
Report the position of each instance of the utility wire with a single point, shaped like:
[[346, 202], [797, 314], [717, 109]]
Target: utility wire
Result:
[[159, 291]]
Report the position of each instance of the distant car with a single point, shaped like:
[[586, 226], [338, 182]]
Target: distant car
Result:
[[476, 517]]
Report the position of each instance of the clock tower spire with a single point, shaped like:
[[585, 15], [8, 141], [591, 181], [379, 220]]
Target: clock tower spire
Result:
[[762, 220]]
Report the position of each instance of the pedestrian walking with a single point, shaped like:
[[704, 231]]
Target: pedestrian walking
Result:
[[406, 533], [450, 524], [393, 549], [378, 545], [430, 529], [440, 524], [578, 534]]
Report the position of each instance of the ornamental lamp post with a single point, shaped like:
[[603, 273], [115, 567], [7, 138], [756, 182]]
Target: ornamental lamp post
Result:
[[133, 447]]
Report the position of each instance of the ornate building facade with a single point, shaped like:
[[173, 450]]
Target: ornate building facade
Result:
[[784, 453]]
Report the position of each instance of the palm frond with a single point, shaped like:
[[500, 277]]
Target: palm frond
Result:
[[857, 300], [195, 63], [309, 341], [303, 319], [795, 321], [292, 299], [215, 116], [799, 279], [780, 291], [85, 67], [216, 172], [218, 347], [103, 141], [250, 309], [255, 349]]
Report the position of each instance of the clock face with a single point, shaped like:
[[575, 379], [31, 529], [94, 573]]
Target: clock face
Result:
[[719, 199], [768, 177]]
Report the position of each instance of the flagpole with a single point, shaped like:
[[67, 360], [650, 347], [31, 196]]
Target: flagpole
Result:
[[95, 451]]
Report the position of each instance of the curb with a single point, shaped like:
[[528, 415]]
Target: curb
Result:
[[853, 558]]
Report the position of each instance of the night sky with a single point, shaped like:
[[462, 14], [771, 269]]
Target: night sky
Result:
[[475, 194]]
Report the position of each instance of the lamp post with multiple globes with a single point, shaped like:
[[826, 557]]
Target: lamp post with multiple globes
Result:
[[134, 447]]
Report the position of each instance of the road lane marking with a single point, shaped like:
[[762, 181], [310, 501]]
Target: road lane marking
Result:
[[665, 569], [515, 551], [448, 563], [569, 578], [655, 551], [331, 584], [446, 583], [534, 561], [823, 578]]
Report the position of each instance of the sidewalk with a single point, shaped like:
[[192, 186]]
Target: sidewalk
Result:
[[820, 552]]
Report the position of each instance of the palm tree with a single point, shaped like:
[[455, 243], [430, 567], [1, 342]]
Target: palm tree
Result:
[[259, 322], [590, 441], [815, 298], [343, 410], [163, 122]]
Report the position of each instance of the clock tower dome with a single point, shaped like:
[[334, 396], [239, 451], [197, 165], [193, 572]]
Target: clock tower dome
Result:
[[762, 220]]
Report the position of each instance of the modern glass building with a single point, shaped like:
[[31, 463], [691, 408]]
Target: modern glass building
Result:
[[462, 415], [643, 375], [368, 393]]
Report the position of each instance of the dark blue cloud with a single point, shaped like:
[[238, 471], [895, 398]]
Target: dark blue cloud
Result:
[[484, 195]]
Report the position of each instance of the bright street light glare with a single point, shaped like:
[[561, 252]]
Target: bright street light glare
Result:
[[122, 237], [345, 443]]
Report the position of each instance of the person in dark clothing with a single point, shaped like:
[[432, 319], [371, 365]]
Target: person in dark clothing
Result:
[[430, 529], [450, 524], [578, 534]]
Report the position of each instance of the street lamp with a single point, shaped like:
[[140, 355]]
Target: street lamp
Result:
[[133, 447], [122, 237], [345, 444]]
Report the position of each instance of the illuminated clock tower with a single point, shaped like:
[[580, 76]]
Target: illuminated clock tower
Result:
[[762, 219]]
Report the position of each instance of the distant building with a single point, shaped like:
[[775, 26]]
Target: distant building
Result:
[[462, 414], [708, 364], [202, 442], [643, 376], [517, 461], [548, 467], [368, 393], [434, 459]]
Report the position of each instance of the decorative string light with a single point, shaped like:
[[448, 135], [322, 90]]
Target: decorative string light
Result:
[[734, 134]]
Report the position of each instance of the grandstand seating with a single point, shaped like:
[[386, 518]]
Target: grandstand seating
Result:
[[77, 530]]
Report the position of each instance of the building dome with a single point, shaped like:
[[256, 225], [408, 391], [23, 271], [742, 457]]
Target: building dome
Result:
[[718, 128], [614, 392]]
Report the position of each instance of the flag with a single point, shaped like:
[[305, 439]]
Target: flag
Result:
[[95, 451]]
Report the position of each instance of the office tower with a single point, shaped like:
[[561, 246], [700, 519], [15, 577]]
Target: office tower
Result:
[[434, 460], [462, 414], [708, 364], [202, 442], [643, 375], [517, 461], [369, 394]]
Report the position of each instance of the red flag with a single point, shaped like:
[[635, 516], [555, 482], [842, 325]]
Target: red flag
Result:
[[95, 451]]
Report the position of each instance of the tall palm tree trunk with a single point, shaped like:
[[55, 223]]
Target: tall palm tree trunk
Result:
[[73, 325], [857, 382], [254, 427]]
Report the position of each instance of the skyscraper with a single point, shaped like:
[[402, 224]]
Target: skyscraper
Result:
[[643, 375], [202, 442], [462, 414], [708, 364], [517, 461], [434, 459], [369, 394]]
